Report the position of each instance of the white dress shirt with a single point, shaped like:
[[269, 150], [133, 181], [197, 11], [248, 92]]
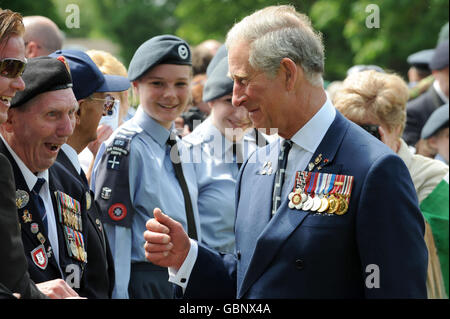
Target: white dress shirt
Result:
[[31, 180], [306, 141]]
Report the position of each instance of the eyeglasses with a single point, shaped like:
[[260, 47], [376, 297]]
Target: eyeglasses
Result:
[[108, 103], [372, 129], [12, 68]]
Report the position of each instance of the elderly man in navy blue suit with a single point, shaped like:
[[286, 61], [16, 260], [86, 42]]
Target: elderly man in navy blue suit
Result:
[[328, 212]]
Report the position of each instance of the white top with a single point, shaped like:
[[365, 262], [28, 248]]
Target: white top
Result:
[[31, 180]]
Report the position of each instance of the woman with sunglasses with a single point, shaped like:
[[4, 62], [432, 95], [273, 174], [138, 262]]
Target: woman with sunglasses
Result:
[[14, 276], [377, 102]]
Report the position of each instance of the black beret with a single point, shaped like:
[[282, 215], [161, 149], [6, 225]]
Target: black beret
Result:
[[437, 121], [43, 74], [440, 58], [163, 49], [219, 83]]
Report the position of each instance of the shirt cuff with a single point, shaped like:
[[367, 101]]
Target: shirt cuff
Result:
[[181, 276]]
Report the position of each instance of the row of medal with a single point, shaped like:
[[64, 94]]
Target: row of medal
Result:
[[321, 192], [69, 213]]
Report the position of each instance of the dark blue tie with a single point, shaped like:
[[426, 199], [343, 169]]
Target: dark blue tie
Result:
[[279, 176], [39, 202]]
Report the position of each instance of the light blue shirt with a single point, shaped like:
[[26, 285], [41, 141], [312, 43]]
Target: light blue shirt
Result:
[[216, 170], [152, 184]]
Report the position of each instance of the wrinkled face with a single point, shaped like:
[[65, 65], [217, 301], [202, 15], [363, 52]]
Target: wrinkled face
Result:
[[15, 49], [91, 111], [231, 121], [254, 90], [37, 132], [164, 92]]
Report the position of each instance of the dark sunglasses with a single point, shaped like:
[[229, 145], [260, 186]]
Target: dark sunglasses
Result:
[[12, 68], [373, 130]]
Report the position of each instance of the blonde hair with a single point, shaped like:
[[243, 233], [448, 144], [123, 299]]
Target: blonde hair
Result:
[[372, 94], [107, 63]]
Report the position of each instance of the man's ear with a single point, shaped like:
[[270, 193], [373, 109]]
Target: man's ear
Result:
[[80, 111], [291, 73], [31, 50]]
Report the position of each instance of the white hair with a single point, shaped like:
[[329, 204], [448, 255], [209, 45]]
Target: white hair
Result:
[[279, 32]]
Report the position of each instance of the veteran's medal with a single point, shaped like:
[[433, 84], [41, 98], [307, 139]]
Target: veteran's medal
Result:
[[26, 217]]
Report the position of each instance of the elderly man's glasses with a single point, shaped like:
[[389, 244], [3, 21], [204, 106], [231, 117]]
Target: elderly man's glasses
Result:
[[108, 103], [12, 68]]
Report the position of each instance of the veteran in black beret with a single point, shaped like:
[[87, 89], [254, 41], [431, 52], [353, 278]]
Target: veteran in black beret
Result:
[[419, 110], [134, 171], [53, 224]]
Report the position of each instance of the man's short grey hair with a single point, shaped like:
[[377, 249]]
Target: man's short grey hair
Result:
[[279, 32]]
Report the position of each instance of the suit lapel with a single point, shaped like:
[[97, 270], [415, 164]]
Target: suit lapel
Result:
[[286, 221]]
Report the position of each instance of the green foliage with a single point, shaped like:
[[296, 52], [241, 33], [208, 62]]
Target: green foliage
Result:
[[406, 26], [33, 7]]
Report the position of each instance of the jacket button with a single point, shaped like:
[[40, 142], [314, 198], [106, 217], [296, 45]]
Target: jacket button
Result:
[[238, 255], [299, 264]]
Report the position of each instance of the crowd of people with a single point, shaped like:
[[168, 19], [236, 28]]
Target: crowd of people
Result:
[[238, 174]]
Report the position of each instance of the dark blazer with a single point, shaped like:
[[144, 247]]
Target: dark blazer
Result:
[[299, 254], [417, 113], [13, 263], [100, 266], [29, 215]]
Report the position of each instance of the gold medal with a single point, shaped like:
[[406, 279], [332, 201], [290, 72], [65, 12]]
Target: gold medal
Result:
[[333, 204], [342, 207]]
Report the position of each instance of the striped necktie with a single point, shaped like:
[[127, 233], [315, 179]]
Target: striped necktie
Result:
[[39, 201], [279, 176]]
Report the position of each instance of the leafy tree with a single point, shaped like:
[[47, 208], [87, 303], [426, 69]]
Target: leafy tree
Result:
[[33, 7]]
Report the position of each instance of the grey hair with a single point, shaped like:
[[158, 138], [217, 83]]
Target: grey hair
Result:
[[279, 32]]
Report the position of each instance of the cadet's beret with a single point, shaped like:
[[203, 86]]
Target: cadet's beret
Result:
[[440, 58], [437, 121], [42, 74], [218, 83], [87, 77], [221, 52], [163, 49], [421, 59]]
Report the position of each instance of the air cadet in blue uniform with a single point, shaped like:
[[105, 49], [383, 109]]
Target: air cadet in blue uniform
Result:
[[138, 168], [338, 218], [218, 147]]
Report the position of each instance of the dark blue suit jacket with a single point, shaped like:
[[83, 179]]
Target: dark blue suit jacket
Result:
[[296, 254]]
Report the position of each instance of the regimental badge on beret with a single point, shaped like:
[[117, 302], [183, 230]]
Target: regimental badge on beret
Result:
[[183, 51]]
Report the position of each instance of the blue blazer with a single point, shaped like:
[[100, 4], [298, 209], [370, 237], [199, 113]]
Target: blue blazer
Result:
[[375, 250]]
